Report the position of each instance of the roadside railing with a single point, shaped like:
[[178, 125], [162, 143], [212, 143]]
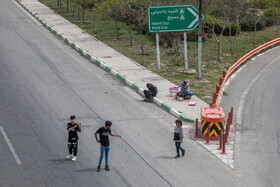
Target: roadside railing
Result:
[[219, 89]]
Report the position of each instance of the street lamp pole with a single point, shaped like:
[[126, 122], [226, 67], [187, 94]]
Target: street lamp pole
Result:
[[200, 31]]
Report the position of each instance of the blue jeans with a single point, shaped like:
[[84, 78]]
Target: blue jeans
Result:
[[103, 149], [178, 147]]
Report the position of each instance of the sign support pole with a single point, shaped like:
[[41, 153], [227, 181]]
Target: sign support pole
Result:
[[186, 51], [199, 39], [158, 52]]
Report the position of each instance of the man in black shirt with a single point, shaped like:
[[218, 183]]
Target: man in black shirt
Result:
[[152, 91], [104, 133], [73, 137]]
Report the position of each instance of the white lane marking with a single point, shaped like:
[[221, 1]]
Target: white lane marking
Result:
[[10, 145]]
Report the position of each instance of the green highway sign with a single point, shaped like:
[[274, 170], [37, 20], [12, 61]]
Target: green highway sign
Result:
[[174, 18]]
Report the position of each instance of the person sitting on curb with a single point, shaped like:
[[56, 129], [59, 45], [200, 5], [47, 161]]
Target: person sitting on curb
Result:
[[152, 91], [184, 85], [185, 93]]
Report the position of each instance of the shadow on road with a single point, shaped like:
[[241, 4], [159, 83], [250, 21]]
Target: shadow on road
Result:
[[86, 170], [164, 157], [59, 160]]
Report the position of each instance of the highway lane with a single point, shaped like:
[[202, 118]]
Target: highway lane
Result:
[[43, 82], [36, 102], [257, 146]]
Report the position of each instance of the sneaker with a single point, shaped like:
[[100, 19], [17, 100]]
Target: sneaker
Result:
[[177, 156], [74, 158], [98, 169], [69, 156], [183, 152], [107, 168]]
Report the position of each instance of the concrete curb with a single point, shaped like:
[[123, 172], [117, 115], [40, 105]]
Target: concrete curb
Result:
[[105, 67]]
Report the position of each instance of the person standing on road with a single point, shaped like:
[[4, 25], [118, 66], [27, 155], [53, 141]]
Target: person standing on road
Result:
[[104, 133], [152, 91], [73, 137], [178, 137]]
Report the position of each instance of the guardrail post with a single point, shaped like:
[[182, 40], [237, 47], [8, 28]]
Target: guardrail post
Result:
[[221, 140], [220, 81], [196, 129], [226, 134], [208, 135], [229, 118], [231, 114], [224, 145], [224, 74], [214, 97], [217, 89], [228, 128]]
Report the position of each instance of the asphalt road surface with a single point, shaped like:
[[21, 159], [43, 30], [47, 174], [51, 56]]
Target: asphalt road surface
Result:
[[254, 94], [43, 82]]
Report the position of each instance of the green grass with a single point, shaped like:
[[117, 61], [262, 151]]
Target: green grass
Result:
[[104, 30]]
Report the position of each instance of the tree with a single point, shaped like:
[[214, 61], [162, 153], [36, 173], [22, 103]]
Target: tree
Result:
[[141, 12], [239, 12], [94, 5], [216, 21], [230, 26], [84, 4], [128, 14], [273, 10], [256, 15], [113, 9]]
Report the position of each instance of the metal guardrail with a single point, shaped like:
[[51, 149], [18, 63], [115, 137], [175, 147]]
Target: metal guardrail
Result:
[[219, 89]]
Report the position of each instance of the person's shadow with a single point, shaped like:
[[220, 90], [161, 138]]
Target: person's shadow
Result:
[[58, 161], [86, 170], [164, 157]]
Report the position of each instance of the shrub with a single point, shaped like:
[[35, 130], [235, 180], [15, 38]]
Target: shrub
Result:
[[268, 21], [218, 29], [261, 4], [233, 30], [248, 25]]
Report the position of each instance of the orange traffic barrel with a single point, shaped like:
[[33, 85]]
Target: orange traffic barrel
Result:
[[215, 117]]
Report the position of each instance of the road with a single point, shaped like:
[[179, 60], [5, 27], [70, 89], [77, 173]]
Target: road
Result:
[[43, 82], [256, 102]]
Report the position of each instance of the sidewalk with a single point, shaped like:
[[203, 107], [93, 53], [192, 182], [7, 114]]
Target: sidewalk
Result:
[[131, 73]]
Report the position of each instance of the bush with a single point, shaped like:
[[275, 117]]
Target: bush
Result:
[[218, 29], [170, 38], [268, 21], [261, 4], [248, 25], [192, 36], [233, 30]]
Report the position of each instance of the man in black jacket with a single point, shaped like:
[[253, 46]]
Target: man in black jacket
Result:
[[152, 91], [73, 137]]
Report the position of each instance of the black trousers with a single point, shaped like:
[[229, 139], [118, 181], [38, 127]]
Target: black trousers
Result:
[[73, 145], [148, 94]]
